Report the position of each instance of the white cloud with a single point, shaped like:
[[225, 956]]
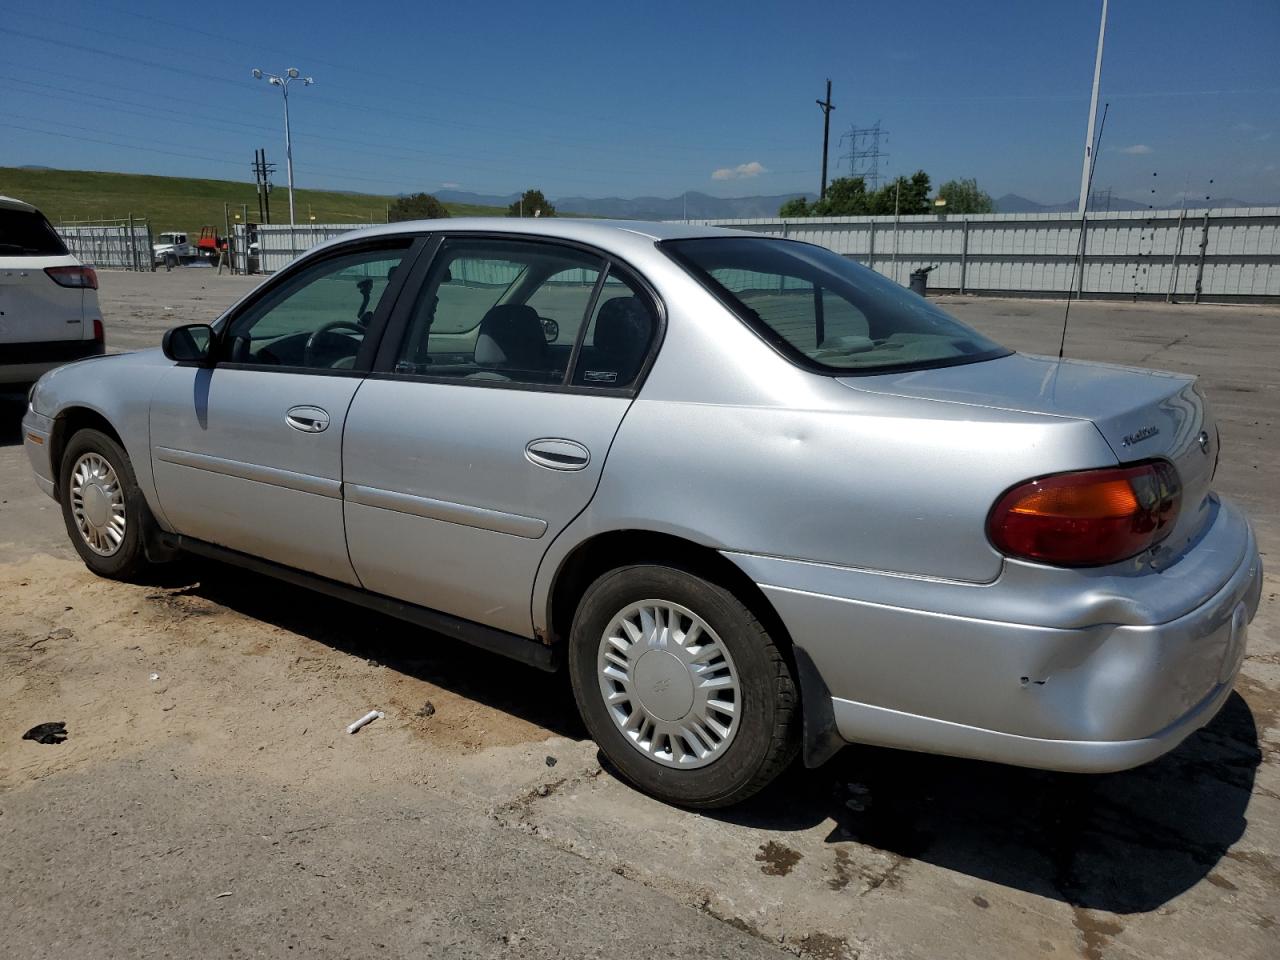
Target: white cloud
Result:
[[1137, 150], [451, 185], [741, 171]]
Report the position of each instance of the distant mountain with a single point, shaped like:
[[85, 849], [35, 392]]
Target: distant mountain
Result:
[[1013, 203], [694, 205], [484, 199]]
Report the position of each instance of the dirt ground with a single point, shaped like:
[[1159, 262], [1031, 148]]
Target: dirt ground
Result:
[[208, 801]]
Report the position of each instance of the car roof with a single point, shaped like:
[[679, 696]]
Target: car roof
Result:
[[608, 235], [12, 203]]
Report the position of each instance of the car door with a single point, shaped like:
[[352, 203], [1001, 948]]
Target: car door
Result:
[[480, 436], [247, 452]]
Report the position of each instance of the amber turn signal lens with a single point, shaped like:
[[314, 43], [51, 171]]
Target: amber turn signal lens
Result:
[[1087, 518]]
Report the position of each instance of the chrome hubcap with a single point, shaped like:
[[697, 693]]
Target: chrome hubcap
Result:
[[97, 504], [669, 684]]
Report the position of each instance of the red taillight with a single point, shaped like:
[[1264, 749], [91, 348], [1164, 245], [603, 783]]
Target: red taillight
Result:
[[1087, 518], [97, 331], [76, 276]]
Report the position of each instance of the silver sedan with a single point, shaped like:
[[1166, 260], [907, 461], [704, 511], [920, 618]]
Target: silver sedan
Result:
[[759, 499]]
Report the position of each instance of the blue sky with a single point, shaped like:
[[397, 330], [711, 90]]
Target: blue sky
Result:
[[649, 98]]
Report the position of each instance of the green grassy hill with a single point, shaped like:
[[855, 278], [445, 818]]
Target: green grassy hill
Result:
[[180, 203]]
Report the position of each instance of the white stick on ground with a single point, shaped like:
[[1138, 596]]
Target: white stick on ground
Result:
[[367, 719]]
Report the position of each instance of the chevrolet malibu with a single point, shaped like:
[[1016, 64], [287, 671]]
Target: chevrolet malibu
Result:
[[761, 500]]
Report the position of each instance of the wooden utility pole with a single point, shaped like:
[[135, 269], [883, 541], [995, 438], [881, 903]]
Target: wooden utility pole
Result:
[[827, 106]]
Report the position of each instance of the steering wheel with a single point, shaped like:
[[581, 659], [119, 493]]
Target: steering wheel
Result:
[[308, 352]]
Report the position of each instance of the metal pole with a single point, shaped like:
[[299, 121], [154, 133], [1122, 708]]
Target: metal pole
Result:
[[871, 251], [964, 251], [133, 246], [1204, 246], [1084, 241], [1177, 250], [288, 147], [1093, 113], [897, 187]]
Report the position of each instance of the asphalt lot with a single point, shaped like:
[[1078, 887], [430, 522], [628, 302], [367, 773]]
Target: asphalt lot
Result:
[[220, 810]]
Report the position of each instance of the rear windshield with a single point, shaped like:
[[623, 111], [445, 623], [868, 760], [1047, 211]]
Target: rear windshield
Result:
[[826, 312], [27, 234]]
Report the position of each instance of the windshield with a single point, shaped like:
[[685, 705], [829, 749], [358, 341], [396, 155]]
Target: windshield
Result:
[[826, 312], [23, 233]]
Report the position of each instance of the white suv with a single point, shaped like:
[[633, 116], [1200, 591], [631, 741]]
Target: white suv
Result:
[[49, 311]]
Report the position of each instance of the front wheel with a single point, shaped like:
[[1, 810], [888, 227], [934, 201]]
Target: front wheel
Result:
[[681, 687], [102, 506]]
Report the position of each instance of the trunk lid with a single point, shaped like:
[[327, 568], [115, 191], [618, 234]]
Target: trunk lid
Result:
[[1141, 413], [33, 308]]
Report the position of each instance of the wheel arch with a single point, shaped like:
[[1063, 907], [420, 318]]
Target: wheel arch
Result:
[[68, 422], [609, 550]]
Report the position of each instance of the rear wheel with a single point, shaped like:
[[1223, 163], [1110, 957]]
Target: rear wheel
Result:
[[681, 686], [102, 506]]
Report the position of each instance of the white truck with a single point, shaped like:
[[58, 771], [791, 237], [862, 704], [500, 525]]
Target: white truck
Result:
[[171, 249]]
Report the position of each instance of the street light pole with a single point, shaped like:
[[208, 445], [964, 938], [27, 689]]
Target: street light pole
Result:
[[283, 84], [1093, 115]]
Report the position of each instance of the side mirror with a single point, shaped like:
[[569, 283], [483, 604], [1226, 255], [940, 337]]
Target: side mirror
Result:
[[190, 343]]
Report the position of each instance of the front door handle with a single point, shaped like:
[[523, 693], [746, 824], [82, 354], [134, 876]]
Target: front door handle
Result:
[[557, 454], [307, 419]]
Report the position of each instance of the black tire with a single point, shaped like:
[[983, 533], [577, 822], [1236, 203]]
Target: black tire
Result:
[[129, 559], [767, 737]]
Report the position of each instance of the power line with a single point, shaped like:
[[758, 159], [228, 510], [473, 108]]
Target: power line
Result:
[[186, 119]]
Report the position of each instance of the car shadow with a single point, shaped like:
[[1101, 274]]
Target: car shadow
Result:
[[534, 695], [13, 404], [1124, 842]]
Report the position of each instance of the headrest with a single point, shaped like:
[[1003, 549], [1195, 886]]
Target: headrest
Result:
[[511, 336], [623, 327]]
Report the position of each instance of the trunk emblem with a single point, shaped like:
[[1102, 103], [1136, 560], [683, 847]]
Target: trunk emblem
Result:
[[1139, 435], [1203, 440]]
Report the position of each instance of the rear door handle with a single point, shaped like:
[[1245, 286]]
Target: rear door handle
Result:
[[307, 419], [556, 454]]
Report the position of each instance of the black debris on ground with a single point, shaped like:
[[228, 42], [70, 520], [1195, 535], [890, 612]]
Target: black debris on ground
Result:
[[54, 732]]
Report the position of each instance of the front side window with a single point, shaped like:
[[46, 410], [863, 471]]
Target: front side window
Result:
[[500, 310], [317, 317], [826, 312]]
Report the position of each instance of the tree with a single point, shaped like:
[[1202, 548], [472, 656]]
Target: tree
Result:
[[910, 195], [532, 204], [795, 207], [964, 196], [846, 197], [417, 206]]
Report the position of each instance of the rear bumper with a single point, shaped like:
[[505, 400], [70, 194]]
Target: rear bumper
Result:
[[27, 362], [935, 671]]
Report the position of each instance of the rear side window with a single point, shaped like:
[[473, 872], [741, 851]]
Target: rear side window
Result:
[[27, 234], [825, 312]]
